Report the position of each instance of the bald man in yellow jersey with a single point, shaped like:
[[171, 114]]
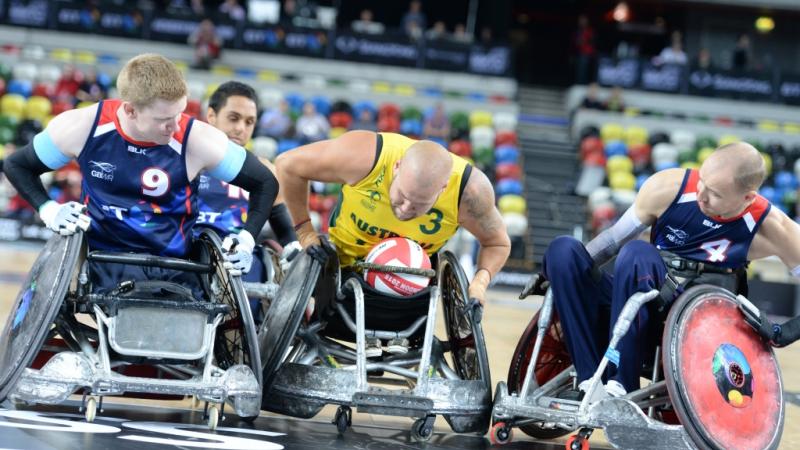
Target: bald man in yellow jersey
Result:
[[395, 186]]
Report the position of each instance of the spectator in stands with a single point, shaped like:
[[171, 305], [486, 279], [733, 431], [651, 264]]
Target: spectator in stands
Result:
[[438, 31], [366, 25], [673, 54], [615, 102], [233, 9], [275, 122], [437, 125], [585, 50], [206, 44], [311, 126], [742, 59], [460, 34], [289, 11], [365, 121], [69, 83], [90, 90], [414, 20], [198, 8], [703, 61], [592, 100]]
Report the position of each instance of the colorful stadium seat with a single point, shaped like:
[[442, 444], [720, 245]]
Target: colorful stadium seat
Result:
[[511, 204], [611, 132], [505, 121], [507, 171], [13, 105], [635, 135], [516, 224], [38, 108], [480, 118]]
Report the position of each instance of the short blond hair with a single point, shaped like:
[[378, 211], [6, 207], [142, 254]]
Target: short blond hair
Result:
[[150, 77]]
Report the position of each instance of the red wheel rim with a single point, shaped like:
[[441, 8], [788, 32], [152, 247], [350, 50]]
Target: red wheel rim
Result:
[[724, 380], [553, 357]]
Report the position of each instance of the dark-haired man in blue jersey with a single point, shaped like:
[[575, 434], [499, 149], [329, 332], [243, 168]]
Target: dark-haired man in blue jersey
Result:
[[140, 157], [710, 219]]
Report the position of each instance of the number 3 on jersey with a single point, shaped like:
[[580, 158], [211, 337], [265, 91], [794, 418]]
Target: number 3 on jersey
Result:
[[155, 182], [716, 250]]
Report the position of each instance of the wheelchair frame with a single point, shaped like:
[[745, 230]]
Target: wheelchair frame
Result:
[[300, 389], [193, 367], [624, 420]]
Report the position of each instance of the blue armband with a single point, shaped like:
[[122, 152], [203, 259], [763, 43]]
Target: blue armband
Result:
[[48, 153], [231, 164]]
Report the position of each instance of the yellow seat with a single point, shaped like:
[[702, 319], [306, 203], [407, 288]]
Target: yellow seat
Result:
[[635, 135], [269, 75], [619, 163], [336, 132], [611, 132], [210, 89], [85, 57], [621, 180], [222, 71], [632, 111], [728, 139], [511, 204], [703, 154], [480, 118], [13, 105], [381, 87], [405, 90], [767, 163], [768, 125], [791, 128], [38, 108], [61, 54]]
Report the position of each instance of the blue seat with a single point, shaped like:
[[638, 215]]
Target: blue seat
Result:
[[284, 145], [506, 154]]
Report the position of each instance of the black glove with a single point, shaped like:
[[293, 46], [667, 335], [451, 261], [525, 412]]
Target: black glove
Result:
[[322, 252], [537, 285], [759, 321]]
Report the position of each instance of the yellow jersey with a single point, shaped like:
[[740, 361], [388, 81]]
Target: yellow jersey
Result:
[[364, 215]]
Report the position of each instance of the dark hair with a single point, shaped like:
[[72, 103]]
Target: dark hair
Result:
[[229, 89]]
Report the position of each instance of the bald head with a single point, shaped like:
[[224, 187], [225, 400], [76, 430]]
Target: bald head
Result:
[[743, 162], [420, 176], [429, 164]]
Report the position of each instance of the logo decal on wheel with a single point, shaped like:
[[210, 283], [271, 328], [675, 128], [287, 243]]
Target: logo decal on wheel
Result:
[[733, 375]]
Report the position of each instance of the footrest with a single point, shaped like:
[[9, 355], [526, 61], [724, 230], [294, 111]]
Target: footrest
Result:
[[392, 403]]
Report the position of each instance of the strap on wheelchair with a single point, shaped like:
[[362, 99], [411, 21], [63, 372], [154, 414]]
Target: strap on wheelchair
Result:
[[155, 289], [688, 271]]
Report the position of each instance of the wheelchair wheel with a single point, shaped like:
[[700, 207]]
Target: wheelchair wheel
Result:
[[553, 359], [464, 332], [723, 380], [283, 318], [36, 307], [236, 338]]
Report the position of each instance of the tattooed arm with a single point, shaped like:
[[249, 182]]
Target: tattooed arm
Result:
[[478, 215]]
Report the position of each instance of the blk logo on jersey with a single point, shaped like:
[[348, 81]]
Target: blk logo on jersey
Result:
[[102, 170], [711, 224], [137, 150]]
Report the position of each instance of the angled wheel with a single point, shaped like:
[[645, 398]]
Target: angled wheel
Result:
[[501, 434], [422, 429], [723, 380], [464, 332], [36, 306], [283, 317], [553, 359], [236, 338]]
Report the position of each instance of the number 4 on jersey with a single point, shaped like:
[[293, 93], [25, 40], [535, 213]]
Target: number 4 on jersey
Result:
[[716, 250]]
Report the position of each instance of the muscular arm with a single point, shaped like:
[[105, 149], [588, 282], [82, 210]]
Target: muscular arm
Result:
[[478, 215], [652, 200], [346, 159]]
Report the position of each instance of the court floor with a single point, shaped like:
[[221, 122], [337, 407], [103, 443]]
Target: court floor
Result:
[[504, 319]]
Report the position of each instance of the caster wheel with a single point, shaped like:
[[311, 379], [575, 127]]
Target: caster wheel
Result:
[[577, 442], [213, 417], [343, 419], [249, 419], [422, 429], [91, 409], [501, 433]]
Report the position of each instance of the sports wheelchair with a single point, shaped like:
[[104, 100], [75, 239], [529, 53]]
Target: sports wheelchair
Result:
[[62, 336], [310, 360], [721, 386]]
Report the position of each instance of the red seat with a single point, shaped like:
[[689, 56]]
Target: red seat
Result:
[[506, 171], [341, 119], [461, 148], [389, 110], [389, 124], [506, 138], [591, 145]]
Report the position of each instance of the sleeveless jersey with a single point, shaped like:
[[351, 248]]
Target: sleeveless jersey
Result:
[[364, 216], [138, 194], [684, 230], [221, 206]]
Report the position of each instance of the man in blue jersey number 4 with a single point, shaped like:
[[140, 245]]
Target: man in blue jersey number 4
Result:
[[140, 157], [709, 221]]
